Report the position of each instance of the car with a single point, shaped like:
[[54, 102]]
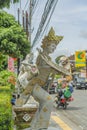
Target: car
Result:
[[73, 83], [81, 83], [86, 85]]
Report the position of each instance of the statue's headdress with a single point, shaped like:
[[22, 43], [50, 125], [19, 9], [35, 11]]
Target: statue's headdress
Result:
[[51, 38]]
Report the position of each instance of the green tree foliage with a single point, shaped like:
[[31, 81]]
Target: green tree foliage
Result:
[[3, 62], [58, 58], [13, 39], [7, 78], [6, 3], [6, 120]]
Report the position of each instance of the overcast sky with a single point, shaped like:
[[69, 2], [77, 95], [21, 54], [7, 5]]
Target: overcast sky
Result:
[[69, 20]]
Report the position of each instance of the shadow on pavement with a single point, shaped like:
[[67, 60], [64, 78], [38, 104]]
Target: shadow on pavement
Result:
[[74, 108]]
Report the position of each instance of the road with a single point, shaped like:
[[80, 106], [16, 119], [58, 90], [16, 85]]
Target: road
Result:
[[75, 116]]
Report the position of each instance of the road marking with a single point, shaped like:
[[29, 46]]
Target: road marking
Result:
[[61, 123]]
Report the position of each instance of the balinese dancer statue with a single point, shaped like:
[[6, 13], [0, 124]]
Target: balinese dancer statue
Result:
[[37, 81]]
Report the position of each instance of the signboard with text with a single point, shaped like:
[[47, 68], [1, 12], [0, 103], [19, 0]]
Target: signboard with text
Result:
[[11, 64], [80, 59]]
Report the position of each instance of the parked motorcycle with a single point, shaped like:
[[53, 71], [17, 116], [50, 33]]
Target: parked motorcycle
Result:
[[62, 100]]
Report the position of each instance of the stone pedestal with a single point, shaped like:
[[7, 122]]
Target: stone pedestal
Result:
[[24, 115]]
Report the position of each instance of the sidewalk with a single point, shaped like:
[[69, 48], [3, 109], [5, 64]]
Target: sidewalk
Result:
[[52, 126]]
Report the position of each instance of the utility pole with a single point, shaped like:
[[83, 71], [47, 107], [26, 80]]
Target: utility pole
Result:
[[18, 15], [27, 30], [23, 19], [18, 59], [30, 18]]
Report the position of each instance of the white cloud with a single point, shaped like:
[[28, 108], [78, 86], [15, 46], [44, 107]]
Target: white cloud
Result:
[[68, 19], [83, 34]]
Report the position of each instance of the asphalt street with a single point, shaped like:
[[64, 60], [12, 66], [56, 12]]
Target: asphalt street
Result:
[[74, 117]]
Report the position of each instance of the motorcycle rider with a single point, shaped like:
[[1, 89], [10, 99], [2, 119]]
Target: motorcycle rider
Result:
[[64, 92], [62, 89]]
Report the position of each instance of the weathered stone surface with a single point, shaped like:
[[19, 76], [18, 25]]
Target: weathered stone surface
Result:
[[24, 116]]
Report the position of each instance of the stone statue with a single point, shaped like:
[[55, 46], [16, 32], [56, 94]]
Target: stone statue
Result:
[[35, 81], [27, 71], [64, 62]]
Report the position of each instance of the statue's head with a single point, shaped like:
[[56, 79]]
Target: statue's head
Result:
[[64, 62], [28, 59], [51, 41]]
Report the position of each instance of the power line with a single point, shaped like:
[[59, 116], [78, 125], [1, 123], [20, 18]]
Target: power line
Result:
[[27, 3], [30, 6], [20, 4], [48, 7], [43, 20], [35, 6], [46, 26], [31, 9]]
